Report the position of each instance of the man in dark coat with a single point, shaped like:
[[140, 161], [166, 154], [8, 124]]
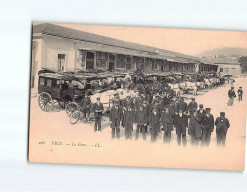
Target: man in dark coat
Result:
[[192, 106], [141, 121], [166, 122], [146, 106], [200, 113], [240, 94], [154, 122], [181, 122], [98, 109], [138, 100], [116, 116], [182, 105], [207, 124], [128, 121], [195, 129], [222, 124], [86, 106], [231, 95]]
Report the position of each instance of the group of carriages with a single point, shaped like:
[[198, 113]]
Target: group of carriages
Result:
[[68, 90]]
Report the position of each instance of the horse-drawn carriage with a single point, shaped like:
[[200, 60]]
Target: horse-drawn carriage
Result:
[[68, 91], [56, 88]]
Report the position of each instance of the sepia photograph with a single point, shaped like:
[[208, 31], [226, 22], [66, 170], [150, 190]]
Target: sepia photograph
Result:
[[137, 96]]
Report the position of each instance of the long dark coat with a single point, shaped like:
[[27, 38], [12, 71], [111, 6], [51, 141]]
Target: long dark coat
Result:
[[181, 123], [208, 123], [154, 122], [98, 107], [195, 128], [166, 121], [222, 124], [141, 116], [116, 116], [129, 119], [86, 104], [200, 115]]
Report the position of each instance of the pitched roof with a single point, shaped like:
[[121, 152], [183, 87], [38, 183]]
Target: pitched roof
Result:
[[219, 60], [59, 31]]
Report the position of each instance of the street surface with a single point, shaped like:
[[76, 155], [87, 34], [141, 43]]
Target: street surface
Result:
[[54, 139]]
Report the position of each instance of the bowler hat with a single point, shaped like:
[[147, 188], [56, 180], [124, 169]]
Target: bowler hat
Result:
[[208, 109], [222, 113], [201, 106]]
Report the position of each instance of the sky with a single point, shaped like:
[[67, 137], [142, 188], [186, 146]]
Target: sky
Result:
[[186, 41]]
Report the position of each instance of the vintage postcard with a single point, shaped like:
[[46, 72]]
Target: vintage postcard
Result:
[[135, 96]]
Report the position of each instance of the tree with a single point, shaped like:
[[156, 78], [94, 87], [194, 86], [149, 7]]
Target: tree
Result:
[[243, 63]]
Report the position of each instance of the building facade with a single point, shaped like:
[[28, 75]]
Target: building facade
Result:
[[67, 50], [225, 65]]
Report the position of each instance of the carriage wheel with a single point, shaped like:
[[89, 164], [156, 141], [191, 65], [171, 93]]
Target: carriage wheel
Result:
[[71, 108], [63, 103], [74, 117], [45, 102]]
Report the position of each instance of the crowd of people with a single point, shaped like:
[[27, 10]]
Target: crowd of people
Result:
[[137, 116]]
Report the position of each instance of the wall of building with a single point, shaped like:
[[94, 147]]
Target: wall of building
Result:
[[37, 60], [207, 68], [49, 47], [231, 69], [55, 46]]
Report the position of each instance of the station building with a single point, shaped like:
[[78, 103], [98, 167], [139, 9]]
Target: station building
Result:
[[68, 50], [226, 65]]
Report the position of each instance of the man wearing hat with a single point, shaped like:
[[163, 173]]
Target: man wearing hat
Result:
[[154, 122], [98, 109], [207, 124], [192, 106], [240, 94], [222, 124], [86, 106], [141, 120], [231, 95], [147, 107], [138, 100], [128, 120], [200, 113], [116, 116], [166, 122], [180, 123], [182, 105]]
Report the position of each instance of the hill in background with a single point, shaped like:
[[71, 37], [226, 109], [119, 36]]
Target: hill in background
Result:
[[224, 51]]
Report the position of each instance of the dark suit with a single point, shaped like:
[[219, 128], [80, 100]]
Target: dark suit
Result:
[[222, 124], [240, 94], [166, 121], [181, 122], [231, 95], [154, 121], [116, 116], [207, 128], [86, 106], [148, 109], [200, 115], [128, 120], [141, 120], [97, 115]]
